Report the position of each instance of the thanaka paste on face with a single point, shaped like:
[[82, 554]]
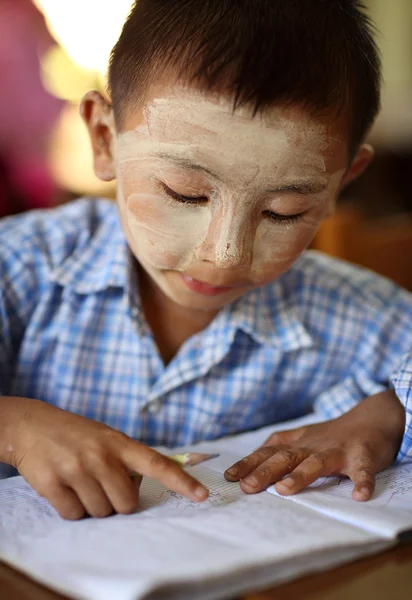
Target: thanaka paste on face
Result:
[[249, 156]]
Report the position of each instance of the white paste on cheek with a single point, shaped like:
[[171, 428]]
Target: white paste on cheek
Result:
[[278, 245], [166, 237]]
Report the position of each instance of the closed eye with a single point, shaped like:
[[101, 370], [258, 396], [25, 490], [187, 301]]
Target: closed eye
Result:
[[183, 199], [284, 219]]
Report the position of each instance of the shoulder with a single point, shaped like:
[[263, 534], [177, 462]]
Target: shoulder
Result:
[[320, 279], [46, 238], [329, 303]]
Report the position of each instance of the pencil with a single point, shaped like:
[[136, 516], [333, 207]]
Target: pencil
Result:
[[187, 459]]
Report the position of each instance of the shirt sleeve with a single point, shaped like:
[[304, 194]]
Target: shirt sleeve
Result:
[[383, 361], [401, 381], [18, 294]]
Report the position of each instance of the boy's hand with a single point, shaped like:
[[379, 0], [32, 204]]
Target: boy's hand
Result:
[[82, 466], [357, 444]]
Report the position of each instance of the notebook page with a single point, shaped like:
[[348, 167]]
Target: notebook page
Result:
[[170, 541], [388, 513]]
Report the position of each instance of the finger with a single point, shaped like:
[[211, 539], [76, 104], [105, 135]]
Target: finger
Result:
[[146, 461], [364, 478], [121, 489], [308, 471], [243, 467], [66, 502], [273, 469], [92, 496]]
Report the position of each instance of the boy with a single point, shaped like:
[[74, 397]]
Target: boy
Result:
[[231, 129]]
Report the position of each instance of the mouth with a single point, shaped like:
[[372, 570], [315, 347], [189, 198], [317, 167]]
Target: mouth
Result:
[[200, 287]]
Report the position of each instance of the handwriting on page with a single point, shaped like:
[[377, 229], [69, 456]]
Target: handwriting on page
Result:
[[393, 487], [153, 494], [232, 516]]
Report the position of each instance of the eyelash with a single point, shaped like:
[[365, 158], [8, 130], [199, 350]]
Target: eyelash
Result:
[[183, 199], [283, 219]]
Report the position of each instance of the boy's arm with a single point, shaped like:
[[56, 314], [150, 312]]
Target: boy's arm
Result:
[[82, 466], [384, 361], [347, 394], [79, 465], [358, 444], [369, 412]]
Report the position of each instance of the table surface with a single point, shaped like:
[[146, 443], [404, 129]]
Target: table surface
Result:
[[384, 576]]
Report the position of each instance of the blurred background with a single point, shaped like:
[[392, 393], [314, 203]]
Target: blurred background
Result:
[[53, 51]]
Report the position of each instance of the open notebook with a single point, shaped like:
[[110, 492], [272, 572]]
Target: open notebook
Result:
[[175, 549]]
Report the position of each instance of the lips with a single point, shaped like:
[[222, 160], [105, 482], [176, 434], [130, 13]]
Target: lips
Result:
[[199, 287]]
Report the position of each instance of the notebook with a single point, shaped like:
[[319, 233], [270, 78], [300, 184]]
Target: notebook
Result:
[[172, 548]]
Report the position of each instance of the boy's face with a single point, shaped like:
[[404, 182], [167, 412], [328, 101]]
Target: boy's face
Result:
[[214, 203]]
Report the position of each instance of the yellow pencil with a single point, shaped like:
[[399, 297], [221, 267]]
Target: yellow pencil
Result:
[[188, 459]]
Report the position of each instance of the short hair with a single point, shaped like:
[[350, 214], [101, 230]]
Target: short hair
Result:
[[320, 54]]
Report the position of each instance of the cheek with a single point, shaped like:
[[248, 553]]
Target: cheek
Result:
[[277, 246], [165, 237]]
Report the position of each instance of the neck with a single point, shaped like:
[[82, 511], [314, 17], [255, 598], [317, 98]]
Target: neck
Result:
[[170, 323]]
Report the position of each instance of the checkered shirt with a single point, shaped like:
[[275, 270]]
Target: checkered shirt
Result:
[[72, 333]]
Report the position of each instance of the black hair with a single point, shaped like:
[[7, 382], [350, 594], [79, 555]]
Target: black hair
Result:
[[320, 54]]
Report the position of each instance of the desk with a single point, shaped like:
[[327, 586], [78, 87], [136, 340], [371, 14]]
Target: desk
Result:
[[382, 577]]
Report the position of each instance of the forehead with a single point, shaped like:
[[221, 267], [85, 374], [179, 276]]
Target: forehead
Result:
[[187, 120]]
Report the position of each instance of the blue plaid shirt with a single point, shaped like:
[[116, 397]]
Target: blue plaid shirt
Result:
[[73, 333]]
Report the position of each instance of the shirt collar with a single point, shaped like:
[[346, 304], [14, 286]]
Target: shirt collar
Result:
[[99, 263], [270, 317]]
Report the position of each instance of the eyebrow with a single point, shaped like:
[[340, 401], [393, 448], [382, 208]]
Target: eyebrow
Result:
[[186, 163], [305, 188]]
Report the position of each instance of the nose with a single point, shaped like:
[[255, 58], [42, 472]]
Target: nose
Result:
[[228, 243]]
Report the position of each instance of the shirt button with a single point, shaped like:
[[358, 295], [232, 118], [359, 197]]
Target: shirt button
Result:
[[154, 407]]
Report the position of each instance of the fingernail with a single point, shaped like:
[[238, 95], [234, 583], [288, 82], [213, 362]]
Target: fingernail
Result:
[[287, 482], [233, 471], [362, 494], [252, 481], [201, 493]]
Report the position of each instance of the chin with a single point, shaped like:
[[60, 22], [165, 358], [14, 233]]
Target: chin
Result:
[[193, 301], [171, 285]]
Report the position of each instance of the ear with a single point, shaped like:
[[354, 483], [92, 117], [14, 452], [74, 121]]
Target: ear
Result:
[[359, 164], [97, 115]]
